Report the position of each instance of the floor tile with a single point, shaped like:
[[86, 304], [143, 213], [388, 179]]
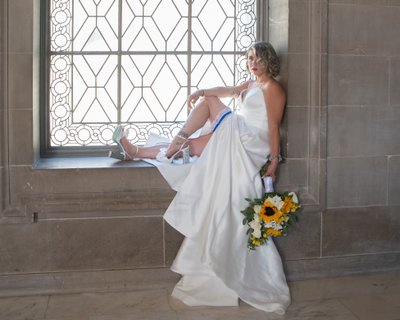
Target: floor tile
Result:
[[140, 315], [319, 310], [61, 317], [332, 288], [349, 298], [222, 313], [22, 308], [374, 307], [104, 304]]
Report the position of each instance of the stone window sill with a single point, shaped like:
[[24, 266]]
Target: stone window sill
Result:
[[86, 163]]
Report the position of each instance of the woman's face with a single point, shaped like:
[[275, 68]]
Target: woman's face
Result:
[[254, 64]]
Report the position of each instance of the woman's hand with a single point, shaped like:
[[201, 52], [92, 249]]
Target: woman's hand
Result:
[[194, 97], [271, 170]]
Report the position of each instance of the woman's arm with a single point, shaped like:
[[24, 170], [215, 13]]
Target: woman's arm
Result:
[[275, 100], [220, 92]]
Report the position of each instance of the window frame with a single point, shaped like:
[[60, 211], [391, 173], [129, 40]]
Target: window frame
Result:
[[46, 150]]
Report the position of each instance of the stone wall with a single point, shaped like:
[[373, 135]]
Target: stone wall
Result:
[[363, 131], [341, 69]]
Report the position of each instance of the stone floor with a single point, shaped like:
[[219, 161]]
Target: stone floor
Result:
[[365, 297]]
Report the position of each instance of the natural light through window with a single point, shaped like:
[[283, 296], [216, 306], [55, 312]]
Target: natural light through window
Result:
[[134, 62]]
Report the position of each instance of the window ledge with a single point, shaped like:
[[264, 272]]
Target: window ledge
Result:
[[87, 163]]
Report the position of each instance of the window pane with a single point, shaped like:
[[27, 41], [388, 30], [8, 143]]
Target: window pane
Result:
[[156, 88], [135, 62], [154, 26]]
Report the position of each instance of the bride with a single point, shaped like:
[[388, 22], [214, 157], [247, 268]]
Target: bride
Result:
[[216, 267]]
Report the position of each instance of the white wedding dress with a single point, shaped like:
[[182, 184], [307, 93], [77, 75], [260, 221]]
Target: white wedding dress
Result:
[[216, 267]]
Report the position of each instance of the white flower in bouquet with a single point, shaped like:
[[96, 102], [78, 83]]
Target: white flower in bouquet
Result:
[[257, 209], [294, 197], [277, 202], [274, 225], [255, 224], [257, 218], [256, 233]]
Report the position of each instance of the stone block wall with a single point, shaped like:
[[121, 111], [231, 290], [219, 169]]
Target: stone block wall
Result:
[[363, 145], [341, 70]]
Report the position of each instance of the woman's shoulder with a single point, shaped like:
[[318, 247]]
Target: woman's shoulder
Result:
[[273, 85], [274, 88], [274, 94]]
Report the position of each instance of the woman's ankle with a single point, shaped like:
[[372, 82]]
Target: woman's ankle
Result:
[[183, 135], [176, 144], [132, 150]]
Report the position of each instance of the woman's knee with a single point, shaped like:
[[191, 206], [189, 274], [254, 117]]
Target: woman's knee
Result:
[[215, 106], [211, 100]]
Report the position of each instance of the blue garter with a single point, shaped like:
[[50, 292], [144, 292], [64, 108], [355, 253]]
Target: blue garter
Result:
[[216, 125]]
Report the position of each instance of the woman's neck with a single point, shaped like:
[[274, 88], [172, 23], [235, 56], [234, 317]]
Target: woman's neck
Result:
[[263, 79]]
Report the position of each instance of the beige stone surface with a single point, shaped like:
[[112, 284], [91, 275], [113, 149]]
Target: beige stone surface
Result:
[[348, 298]]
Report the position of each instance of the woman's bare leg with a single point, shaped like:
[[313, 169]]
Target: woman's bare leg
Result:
[[134, 151], [207, 109], [196, 147]]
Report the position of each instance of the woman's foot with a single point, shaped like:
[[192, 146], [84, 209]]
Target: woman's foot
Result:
[[118, 136], [179, 141], [183, 152]]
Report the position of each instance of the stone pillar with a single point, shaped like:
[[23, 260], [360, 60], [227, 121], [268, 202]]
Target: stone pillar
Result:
[[16, 108]]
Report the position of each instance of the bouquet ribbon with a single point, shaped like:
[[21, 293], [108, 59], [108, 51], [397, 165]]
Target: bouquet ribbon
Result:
[[268, 185]]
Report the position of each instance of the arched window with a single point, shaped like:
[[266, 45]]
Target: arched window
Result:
[[134, 62]]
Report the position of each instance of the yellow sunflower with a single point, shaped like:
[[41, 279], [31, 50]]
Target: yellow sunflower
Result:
[[269, 212], [273, 232], [289, 205]]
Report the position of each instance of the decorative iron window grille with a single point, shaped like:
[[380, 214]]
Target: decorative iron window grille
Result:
[[134, 62]]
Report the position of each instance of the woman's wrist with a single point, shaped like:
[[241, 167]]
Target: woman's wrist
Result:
[[277, 158]]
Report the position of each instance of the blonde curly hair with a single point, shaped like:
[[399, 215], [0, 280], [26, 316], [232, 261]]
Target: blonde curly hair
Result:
[[267, 56]]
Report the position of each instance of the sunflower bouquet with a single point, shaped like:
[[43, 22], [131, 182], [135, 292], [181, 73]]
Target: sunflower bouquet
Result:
[[269, 216]]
